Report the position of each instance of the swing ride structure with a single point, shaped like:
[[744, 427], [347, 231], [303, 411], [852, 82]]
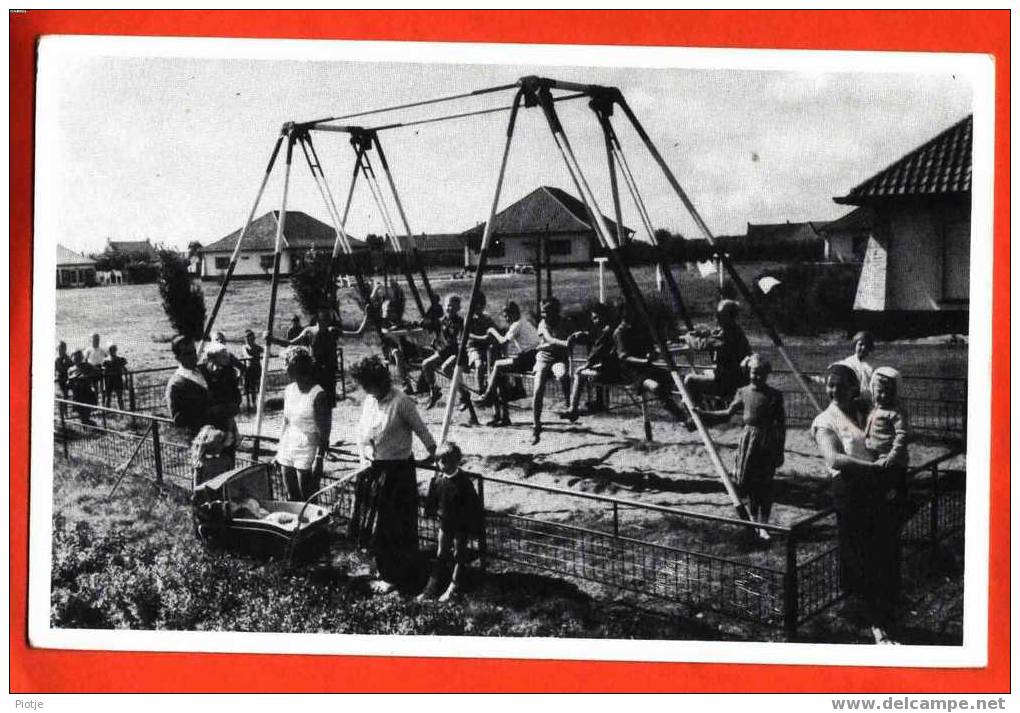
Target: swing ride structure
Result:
[[531, 92]]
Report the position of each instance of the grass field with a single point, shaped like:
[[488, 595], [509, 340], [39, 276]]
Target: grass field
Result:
[[135, 563], [132, 317]]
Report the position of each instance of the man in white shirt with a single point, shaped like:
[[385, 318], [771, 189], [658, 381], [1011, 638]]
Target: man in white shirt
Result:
[[521, 341], [95, 355]]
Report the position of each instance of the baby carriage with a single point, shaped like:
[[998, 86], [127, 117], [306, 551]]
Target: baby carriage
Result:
[[236, 511]]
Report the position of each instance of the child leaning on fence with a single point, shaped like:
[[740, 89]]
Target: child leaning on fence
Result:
[[763, 442], [453, 501]]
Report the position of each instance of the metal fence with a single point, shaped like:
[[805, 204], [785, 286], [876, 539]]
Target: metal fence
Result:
[[144, 390], [694, 558]]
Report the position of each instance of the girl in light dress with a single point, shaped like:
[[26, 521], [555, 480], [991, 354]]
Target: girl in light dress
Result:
[[306, 423]]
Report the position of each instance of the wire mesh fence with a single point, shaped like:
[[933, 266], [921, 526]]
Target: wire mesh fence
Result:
[[701, 560]]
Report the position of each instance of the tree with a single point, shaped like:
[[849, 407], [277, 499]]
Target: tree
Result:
[[194, 248], [183, 300], [311, 283]]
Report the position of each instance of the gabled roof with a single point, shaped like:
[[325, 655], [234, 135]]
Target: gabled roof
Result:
[[129, 247], [545, 210], [783, 233], [300, 230], [942, 166], [439, 241], [862, 218], [66, 256]]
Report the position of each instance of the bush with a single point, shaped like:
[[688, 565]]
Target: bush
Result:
[[812, 297], [311, 283], [183, 300], [142, 273]]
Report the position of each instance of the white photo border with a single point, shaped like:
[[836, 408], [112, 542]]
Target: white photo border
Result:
[[977, 69]]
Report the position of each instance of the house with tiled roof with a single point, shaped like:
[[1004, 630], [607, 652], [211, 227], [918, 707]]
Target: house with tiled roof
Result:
[[301, 234], [917, 260], [547, 219], [74, 269], [141, 250]]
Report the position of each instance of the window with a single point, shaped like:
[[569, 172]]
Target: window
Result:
[[497, 248], [558, 247], [222, 263], [266, 262]]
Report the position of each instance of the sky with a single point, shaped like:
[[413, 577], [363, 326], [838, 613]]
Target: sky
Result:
[[174, 149]]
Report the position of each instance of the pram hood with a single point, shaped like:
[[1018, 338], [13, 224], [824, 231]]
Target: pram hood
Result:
[[251, 481]]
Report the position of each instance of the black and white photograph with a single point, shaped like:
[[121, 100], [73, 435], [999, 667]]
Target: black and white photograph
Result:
[[538, 351]]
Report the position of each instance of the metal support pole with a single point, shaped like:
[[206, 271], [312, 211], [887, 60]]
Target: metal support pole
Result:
[[631, 292], [410, 247], [394, 239], [616, 520], [791, 610], [483, 256], [613, 148], [703, 227], [131, 392], [237, 247], [483, 543], [281, 221], [157, 452], [338, 225]]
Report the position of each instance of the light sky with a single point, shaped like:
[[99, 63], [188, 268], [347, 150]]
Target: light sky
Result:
[[174, 149]]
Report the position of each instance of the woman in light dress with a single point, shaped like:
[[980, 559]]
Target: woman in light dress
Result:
[[306, 423]]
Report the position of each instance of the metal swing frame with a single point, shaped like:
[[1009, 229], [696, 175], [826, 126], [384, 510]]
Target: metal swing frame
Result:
[[531, 91]]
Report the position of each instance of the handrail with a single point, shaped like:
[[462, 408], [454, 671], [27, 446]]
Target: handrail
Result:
[[927, 465], [622, 502], [110, 409]]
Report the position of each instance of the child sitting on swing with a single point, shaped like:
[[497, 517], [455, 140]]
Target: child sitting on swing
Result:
[[453, 501]]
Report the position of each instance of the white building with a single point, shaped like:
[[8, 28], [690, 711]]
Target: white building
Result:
[[301, 233], [74, 269], [916, 270], [547, 219]]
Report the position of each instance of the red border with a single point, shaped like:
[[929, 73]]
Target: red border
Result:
[[35, 670]]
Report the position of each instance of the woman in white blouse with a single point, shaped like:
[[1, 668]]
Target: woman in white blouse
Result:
[[386, 499]]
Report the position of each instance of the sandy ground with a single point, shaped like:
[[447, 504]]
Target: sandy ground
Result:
[[606, 454]]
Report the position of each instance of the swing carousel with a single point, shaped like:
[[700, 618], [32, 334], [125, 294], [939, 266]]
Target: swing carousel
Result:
[[530, 92]]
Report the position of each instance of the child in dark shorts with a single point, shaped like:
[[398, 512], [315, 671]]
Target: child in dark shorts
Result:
[[887, 435], [453, 501]]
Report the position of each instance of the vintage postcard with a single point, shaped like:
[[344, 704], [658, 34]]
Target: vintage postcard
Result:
[[549, 351]]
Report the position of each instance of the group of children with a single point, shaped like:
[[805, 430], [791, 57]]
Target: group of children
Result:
[[87, 372]]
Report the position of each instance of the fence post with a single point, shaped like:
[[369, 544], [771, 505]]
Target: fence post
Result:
[[157, 454], [616, 520], [131, 392], [343, 377], [790, 593], [483, 545], [934, 511], [63, 426]]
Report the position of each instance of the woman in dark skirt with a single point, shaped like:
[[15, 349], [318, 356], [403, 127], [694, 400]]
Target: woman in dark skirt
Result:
[[867, 522], [386, 499]]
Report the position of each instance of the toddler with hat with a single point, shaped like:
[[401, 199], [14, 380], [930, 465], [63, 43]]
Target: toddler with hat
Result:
[[887, 430]]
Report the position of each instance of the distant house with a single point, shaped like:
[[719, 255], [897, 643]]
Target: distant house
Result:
[[301, 233], [778, 241], [446, 249], [846, 238], [916, 270], [74, 269], [549, 219], [140, 250]]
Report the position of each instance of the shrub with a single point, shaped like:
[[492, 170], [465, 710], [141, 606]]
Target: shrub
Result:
[[812, 297], [142, 273], [311, 284], [183, 300]]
